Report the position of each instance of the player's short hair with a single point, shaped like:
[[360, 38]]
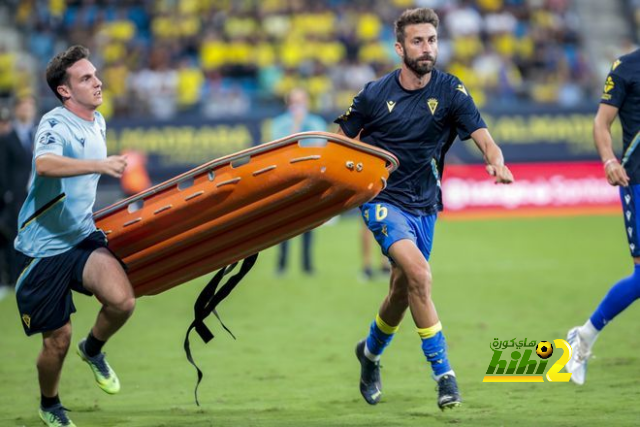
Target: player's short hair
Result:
[[412, 17], [56, 72]]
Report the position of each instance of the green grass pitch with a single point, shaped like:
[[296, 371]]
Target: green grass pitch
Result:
[[293, 361]]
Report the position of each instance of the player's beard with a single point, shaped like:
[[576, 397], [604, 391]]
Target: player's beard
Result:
[[420, 69]]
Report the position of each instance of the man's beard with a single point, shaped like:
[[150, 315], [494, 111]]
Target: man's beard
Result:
[[420, 69]]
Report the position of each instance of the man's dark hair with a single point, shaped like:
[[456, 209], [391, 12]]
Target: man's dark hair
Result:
[[56, 73], [412, 17]]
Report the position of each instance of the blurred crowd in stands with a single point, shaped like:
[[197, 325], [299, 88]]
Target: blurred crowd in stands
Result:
[[227, 57], [635, 16]]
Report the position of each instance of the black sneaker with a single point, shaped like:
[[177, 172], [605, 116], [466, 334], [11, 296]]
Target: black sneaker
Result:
[[370, 384], [448, 394]]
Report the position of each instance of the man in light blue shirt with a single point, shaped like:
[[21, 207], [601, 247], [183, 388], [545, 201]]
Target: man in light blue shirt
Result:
[[58, 246], [297, 119]]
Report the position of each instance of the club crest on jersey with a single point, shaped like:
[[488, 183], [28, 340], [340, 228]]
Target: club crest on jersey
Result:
[[432, 103], [390, 105], [27, 320], [608, 86]]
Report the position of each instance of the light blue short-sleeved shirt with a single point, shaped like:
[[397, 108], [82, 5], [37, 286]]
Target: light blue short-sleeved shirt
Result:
[[58, 212], [283, 125]]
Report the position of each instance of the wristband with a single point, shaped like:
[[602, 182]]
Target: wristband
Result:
[[608, 162]]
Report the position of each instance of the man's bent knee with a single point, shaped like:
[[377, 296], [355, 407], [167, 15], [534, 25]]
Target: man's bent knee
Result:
[[128, 305], [124, 306], [419, 282]]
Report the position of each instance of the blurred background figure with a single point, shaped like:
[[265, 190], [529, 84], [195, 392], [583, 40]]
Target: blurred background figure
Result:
[[6, 242], [369, 270], [297, 119], [17, 151], [135, 177]]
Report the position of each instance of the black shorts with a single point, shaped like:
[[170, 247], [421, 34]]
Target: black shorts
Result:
[[44, 287]]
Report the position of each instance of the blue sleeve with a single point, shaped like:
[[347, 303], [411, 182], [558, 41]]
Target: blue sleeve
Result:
[[466, 116], [615, 86], [354, 119]]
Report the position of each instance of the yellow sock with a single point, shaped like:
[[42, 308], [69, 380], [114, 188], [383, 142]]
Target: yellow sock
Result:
[[384, 327], [430, 331]]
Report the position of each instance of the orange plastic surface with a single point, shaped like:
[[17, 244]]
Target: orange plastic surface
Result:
[[238, 205]]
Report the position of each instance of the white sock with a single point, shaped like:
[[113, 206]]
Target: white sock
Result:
[[588, 333], [369, 355], [449, 372]]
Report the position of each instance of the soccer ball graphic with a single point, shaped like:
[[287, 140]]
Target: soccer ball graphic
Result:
[[544, 349]]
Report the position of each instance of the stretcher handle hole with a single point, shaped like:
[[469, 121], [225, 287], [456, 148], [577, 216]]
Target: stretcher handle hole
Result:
[[313, 142], [135, 206], [240, 161], [185, 183]]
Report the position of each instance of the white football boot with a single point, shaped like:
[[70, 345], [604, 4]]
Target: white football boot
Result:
[[580, 355]]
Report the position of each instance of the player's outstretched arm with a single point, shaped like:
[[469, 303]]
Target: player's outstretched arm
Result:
[[616, 175], [55, 166], [492, 156]]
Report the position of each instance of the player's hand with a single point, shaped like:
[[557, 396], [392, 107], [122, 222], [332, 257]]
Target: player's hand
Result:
[[114, 166], [501, 173], [616, 175]]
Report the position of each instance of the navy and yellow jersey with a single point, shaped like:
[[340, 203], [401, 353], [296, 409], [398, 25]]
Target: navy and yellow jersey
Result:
[[58, 212], [418, 126], [622, 90]]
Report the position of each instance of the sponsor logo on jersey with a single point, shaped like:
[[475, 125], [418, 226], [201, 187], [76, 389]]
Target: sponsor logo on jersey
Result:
[[390, 105]]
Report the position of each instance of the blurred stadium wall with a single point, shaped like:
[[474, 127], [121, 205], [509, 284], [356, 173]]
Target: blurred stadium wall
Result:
[[188, 81]]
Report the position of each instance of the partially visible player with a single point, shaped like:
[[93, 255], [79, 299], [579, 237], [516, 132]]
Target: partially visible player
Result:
[[296, 119], [621, 97], [59, 247], [416, 113], [369, 270]]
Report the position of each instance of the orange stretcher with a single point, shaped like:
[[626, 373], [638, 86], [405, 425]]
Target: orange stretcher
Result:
[[230, 208]]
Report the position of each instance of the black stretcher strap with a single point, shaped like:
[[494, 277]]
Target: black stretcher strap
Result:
[[206, 304]]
